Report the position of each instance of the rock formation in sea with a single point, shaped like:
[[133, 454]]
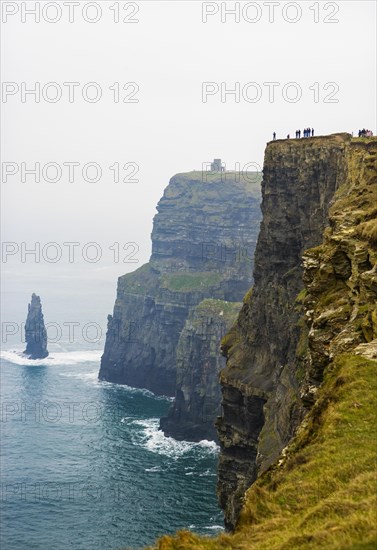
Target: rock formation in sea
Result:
[[35, 330], [203, 242], [267, 385]]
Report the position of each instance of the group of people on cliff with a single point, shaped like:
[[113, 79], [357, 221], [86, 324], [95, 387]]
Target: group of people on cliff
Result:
[[307, 132], [365, 133]]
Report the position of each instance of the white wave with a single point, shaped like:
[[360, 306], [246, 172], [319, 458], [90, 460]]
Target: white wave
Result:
[[155, 441], [54, 359], [218, 528], [144, 391], [136, 391], [154, 469], [126, 419], [206, 473], [86, 376]]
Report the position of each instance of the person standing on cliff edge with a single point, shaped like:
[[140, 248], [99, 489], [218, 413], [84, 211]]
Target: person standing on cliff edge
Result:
[[274, 136]]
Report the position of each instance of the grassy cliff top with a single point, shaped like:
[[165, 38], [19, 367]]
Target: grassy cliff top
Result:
[[144, 280], [190, 282], [338, 137], [218, 309], [322, 494], [248, 182]]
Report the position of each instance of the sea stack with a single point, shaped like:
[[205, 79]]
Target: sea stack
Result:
[[35, 330]]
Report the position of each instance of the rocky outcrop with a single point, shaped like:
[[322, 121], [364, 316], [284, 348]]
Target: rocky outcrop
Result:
[[262, 380], [203, 243], [197, 400], [35, 330], [340, 275]]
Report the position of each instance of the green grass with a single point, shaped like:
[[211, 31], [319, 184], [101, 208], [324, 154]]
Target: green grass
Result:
[[249, 181], [144, 281], [211, 306], [189, 282], [323, 494]]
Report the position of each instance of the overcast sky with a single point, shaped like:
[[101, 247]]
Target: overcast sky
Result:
[[167, 54]]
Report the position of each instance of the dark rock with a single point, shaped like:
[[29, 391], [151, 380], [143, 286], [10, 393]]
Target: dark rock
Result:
[[197, 401], [261, 382], [203, 242], [35, 330]]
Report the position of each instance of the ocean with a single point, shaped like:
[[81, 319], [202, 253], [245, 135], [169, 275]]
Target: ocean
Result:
[[83, 464]]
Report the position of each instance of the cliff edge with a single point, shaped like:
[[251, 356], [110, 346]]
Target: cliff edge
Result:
[[298, 429]]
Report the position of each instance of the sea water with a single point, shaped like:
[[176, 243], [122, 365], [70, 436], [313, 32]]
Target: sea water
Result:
[[83, 463]]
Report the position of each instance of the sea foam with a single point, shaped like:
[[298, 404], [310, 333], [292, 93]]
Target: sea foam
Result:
[[54, 359], [155, 441]]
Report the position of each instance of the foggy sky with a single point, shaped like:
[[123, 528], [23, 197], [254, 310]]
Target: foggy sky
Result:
[[169, 53]]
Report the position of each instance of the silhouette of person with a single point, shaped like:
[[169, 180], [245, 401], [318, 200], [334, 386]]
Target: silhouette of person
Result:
[[299, 134], [288, 136], [312, 132], [274, 136]]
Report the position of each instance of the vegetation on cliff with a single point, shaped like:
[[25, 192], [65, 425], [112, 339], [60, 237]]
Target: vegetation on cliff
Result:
[[321, 492]]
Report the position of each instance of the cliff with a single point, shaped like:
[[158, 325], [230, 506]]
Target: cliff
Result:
[[203, 242], [261, 405], [299, 388], [35, 330], [197, 401]]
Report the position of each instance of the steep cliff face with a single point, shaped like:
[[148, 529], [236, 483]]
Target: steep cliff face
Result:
[[261, 404], [321, 491], [197, 401], [203, 243], [35, 330]]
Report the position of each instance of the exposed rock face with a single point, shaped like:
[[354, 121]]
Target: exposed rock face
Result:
[[35, 330], [197, 402], [261, 382], [203, 244], [319, 491], [340, 275]]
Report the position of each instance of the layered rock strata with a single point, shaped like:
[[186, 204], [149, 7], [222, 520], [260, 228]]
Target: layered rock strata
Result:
[[197, 400], [262, 383], [203, 242]]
